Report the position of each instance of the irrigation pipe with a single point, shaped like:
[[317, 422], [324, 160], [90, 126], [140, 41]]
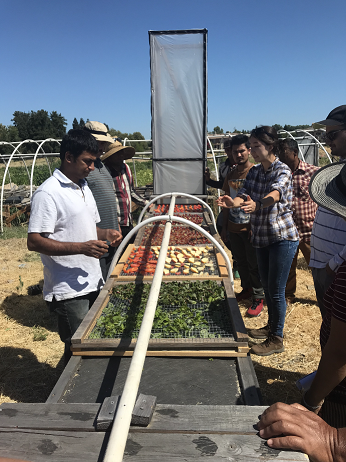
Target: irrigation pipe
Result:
[[177, 194], [121, 425]]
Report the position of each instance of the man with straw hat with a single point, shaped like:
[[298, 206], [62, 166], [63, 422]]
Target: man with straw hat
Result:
[[114, 158], [101, 184], [328, 236]]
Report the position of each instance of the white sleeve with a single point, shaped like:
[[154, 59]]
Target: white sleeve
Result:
[[43, 215]]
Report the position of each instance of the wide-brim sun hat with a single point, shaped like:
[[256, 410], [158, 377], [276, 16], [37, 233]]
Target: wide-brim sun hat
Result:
[[336, 117], [127, 151], [99, 131], [328, 188]]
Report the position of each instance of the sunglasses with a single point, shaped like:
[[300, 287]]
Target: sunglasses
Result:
[[331, 136]]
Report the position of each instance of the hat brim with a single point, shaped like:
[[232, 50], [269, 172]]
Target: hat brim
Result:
[[127, 152], [107, 138], [328, 122], [323, 189]]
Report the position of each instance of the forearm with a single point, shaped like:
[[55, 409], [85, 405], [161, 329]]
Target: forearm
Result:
[[270, 199], [339, 446], [137, 199], [331, 371], [102, 234], [52, 247], [215, 184]]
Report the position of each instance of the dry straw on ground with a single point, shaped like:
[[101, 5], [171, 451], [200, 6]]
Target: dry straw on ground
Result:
[[29, 368]]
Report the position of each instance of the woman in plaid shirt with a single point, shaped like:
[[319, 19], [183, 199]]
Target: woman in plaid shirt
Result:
[[267, 196]]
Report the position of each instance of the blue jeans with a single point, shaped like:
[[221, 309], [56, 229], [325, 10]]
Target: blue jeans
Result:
[[274, 263]]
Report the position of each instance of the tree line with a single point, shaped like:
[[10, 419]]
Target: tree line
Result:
[[40, 125], [290, 128]]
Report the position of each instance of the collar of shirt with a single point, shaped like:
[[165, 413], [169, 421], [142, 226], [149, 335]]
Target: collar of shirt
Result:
[[63, 179]]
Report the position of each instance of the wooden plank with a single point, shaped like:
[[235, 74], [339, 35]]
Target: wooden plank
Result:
[[123, 259], [222, 265], [90, 447], [164, 353], [39, 446], [92, 315], [64, 379], [248, 382], [170, 418], [240, 332], [42, 416], [194, 448]]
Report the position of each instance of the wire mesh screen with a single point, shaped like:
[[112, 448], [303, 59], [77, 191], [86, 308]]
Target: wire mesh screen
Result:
[[200, 320]]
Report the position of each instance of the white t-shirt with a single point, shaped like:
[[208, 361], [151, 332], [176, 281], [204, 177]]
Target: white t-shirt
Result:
[[66, 212]]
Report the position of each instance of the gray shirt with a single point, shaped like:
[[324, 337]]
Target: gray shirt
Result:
[[101, 184]]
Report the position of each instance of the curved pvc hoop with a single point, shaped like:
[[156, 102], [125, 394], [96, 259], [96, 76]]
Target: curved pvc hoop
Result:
[[177, 194], [10, 144], [318, 142], [290, 134], [4, 179], [179, 220], [34, 160]]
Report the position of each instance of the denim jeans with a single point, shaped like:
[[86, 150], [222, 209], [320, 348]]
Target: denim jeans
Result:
[[274, 263], [71, 313]]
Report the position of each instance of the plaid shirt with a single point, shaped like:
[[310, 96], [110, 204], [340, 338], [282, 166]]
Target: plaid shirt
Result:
[[123, 183], [303, 207], [274, 223]]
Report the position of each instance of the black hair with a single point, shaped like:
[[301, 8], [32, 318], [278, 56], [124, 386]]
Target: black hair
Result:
[[267, 135], [240, 139], [288, 143], [77, 141]]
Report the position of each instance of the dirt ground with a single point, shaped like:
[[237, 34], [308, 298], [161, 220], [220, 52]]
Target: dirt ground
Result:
[[31, 351]]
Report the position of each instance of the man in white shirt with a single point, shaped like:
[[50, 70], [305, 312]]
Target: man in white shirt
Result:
[[63, 229], [328, 236]]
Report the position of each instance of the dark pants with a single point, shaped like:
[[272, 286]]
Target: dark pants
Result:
[[228, 245], [125, 231], [106, 260], [322, 281], [245, 254], [274, 263], [71, 313]]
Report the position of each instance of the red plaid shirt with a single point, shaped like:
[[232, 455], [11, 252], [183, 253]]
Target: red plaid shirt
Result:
[[303, 207]]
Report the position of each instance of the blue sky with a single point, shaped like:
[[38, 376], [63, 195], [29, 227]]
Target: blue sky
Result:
[[268, 61]]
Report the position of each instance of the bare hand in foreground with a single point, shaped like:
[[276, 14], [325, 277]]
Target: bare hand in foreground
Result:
[[114, 237], [225, 201], [94, 248], [294, 427], [249, 206]]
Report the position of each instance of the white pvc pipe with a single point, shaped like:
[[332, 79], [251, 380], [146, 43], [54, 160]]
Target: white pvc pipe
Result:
[[121, 425], [34, 160], [177, 194]]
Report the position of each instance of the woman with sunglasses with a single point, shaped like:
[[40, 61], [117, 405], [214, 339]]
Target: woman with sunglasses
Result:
[[267, 197]]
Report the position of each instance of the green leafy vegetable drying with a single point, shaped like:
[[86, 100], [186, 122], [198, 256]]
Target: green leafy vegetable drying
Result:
[[184, 309]]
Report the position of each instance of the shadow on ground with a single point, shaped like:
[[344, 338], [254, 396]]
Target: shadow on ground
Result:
[[23, 378], [29, 311]]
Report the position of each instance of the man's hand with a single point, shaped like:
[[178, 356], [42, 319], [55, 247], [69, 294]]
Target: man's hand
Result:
[[114, 237], [329, 270], [207, 174], [294, 427], [249, 206], [225, 202], [93, 248]]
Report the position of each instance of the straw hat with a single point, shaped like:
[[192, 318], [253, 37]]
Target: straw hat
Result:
[[99, 131], [127, 151], [328, 188]]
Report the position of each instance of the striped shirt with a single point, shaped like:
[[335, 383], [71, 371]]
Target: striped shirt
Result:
[[123, 183], [303, 207], [328, 240], [101, 184], [275, 223], [335, 305]]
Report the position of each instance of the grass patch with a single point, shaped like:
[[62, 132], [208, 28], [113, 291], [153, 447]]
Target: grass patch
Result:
[[144, 172], [15, 232], [32, 256]]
